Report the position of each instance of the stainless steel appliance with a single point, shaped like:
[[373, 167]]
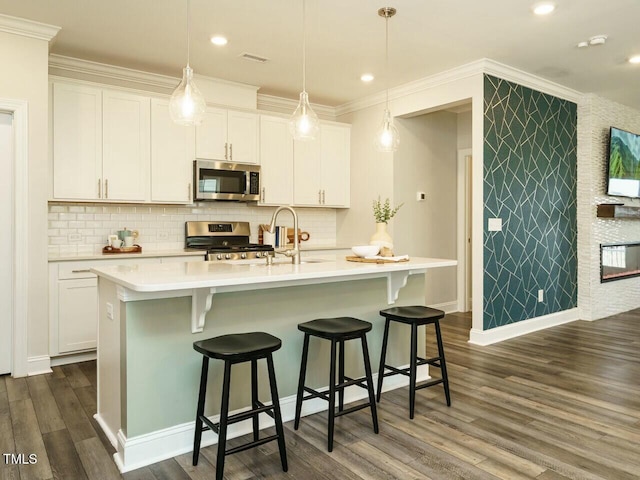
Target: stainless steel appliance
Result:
[[226, 181], [224, 241]]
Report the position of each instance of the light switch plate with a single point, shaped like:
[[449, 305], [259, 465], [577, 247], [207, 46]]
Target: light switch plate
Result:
[[495, 225]]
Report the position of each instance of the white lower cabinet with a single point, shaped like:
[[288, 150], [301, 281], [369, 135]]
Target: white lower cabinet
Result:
[[73, 301]]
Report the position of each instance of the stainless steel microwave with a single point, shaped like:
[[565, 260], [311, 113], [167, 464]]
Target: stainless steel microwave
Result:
[[226, 181]]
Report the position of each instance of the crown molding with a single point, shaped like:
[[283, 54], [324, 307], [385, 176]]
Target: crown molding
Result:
[[482, 66], [287, 105], [27, 28]]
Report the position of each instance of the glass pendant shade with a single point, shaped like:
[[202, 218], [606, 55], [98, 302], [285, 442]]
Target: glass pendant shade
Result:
[[304, 123], [387, 138], [187, 105]]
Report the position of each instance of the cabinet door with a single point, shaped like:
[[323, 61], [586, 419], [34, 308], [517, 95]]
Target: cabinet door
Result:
[[211, 135], [276, 161], [126, 134], [335, 165], [306, 173], [77, 314], [172, 155], [242, 135], [77, 142]]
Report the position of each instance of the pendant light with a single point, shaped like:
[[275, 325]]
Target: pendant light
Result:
[[387, 138], [304, 123], [187, 105]]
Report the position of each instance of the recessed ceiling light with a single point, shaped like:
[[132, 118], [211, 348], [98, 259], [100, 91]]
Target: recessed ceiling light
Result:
[[367, 77], [218, 40], [544, 8], [635, 59]]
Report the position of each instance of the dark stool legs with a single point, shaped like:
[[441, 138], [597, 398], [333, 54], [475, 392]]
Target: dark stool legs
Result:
[[233, 349], [414, 317], [353, 329]]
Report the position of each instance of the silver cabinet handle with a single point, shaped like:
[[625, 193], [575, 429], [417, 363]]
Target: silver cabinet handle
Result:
[[323, 202], [85, 270], [231, 151], [320, 197], [262, 200], [106, 188], [99, 188], [189, 192], [226, 151]]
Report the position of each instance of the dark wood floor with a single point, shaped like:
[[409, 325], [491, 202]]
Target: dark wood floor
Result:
[[560, 403]]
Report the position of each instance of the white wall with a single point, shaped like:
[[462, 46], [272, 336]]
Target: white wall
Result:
[[82, 228], [464, 130], [6, 242], [598, 300], [427, 162], [25, 77]]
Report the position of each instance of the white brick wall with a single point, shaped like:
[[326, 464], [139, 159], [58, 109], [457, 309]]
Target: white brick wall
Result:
[[82, 228], [595, 299]]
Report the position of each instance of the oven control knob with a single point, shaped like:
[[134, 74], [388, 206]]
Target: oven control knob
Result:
[[258, 254], [227, 256], [219, 257], [243, 255]]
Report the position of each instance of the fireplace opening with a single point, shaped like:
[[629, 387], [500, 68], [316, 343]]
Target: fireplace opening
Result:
[[619, 261]]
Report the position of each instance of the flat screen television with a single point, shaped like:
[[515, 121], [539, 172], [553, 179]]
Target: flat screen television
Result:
[[624, 164]]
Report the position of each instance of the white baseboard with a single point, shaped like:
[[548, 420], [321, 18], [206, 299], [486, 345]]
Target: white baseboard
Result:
[[498, 334], [137, 452], [73, 358], [38, 365], [447, 307], [109, 434]]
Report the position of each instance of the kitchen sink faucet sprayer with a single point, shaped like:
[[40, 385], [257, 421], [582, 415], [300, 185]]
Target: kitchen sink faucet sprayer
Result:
[[295, 253]]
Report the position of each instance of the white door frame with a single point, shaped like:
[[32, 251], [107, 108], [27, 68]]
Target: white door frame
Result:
[[19, 110], [463, 214]]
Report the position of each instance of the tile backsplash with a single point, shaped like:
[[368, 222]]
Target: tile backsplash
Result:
[[82, 228]]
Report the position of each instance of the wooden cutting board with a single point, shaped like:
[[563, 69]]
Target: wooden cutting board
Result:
[[372, 260]]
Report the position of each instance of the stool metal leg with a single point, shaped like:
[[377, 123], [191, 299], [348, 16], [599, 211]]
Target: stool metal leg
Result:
[[276, 413], [412, 369], [367, 369], [224, 413], [341, 376], [383, 355], [303, 372], [200, 411], [443, 364], [332, 395], [254, 398]]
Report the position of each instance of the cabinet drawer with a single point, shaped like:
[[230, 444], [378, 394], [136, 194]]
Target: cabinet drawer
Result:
[[72, 270]]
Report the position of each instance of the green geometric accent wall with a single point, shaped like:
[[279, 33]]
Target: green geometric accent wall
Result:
[[530, 161]]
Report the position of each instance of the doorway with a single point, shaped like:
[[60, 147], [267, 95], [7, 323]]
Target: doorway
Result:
[[6, 242], [464, 271]]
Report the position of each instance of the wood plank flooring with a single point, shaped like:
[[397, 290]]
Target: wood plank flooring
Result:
[[563, 403]]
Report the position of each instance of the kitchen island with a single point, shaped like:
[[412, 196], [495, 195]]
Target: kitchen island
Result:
[[150, 315]]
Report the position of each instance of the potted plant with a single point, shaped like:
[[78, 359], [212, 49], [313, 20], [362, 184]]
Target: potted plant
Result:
[[382, 212]]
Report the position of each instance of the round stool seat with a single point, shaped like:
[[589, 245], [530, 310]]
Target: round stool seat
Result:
[[412, 314], [238, 346], [338, 328]]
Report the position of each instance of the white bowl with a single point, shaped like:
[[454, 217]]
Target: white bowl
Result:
[[365, 250]]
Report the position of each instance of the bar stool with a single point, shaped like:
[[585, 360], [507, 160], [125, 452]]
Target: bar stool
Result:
[[239, 348], [337, 330], [414, 316]]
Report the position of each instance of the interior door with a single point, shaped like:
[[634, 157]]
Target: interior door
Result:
[[6, 241]]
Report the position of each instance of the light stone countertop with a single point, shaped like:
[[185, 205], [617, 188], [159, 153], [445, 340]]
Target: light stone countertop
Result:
[[129, 256]]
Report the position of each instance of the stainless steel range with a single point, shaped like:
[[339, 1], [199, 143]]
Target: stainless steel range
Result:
[[224, 241]]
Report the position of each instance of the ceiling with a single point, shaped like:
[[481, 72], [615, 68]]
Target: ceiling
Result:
[[346, 39]]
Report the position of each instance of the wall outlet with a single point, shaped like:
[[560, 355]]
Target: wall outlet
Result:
[[110, 310], [494, 224], [540, 295], [75, 238], [421, 196], [163, 235]]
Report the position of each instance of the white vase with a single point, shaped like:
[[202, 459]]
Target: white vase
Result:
[[382, 238]]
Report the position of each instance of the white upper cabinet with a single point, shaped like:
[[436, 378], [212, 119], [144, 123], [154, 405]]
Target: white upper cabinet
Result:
[[276, 161], [172, 155], [228, 135], [126, 149], [77, 142], [322, 168]]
